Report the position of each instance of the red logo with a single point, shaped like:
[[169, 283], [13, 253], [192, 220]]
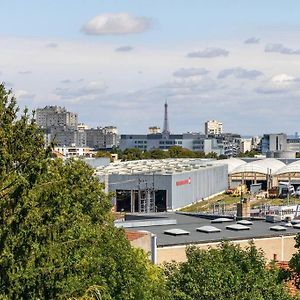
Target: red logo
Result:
[[183, 182]]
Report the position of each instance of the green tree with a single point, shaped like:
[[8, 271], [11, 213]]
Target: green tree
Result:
[[57, 237], [159, 154], [211, 155], [227, 272], [251, 153], [103, 154], [294, 263], [132, 154]]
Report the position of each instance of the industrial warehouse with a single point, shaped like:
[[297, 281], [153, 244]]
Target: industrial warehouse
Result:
[[267, 171], [170, 184], [160, 185]]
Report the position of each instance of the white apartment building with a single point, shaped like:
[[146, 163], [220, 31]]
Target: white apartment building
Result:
[[246, 145], [213, 127], [56, 116], [69, 152]]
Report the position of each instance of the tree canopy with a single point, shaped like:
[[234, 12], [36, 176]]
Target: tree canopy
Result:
[[57, 238], [227, 272]]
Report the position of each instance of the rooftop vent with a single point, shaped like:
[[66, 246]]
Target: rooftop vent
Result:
[[277, 228], [237, 227], [221, 220], [208, 229], [176, 232]]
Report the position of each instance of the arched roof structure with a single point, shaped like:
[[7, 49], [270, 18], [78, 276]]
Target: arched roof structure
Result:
[[263, 166], [232, 163], [290, 168]]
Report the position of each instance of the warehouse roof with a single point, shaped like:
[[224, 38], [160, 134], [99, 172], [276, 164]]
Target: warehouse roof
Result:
[[158, 166], [191, 222], [291, 168], [263, 166], [232, 163]]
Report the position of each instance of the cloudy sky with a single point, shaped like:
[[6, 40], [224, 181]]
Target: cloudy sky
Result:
[[115, 62]]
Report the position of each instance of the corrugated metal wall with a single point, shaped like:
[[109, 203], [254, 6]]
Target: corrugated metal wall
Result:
[[203, 183], [182, 188]]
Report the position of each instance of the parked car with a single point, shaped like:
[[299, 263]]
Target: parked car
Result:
[[297, 193]]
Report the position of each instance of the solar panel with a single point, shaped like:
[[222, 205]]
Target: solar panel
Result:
[[176, 232], [278, 228], [208, 229], [237, 227], [221, 220], [244, 222], [296, 226]]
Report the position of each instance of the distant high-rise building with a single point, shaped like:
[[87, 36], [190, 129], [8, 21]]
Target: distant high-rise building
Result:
[[274, 142], [166, 129], [55, 116], [102, 137], [213, 127]]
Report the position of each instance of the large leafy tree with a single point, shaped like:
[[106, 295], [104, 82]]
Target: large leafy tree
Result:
[[57, 238], [227, 272], [294, 263]]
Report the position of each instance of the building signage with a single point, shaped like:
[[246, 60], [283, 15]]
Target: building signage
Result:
[[183, 182]]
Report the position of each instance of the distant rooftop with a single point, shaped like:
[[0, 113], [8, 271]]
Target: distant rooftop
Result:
[[157, 166], [191, 222]]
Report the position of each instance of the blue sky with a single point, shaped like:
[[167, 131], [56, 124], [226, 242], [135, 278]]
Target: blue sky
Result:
[[115, 62]]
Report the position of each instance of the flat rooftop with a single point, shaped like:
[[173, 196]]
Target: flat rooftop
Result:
[[190, 223], [155, 166]]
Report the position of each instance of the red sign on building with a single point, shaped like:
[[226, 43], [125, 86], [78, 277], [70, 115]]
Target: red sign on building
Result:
[[184, 181]]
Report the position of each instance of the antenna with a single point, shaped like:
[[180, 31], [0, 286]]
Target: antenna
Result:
[[166, 129]]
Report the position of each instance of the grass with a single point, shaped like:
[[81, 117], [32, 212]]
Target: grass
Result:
[[229, 202]]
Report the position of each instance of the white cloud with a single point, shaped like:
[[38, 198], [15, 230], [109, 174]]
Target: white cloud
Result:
[[240, 73], [27, 72], [91, 89], [51, 45], [209, 53], [121, 23], [190, 72], [23, 94], [124, 49], [283, 79], [280, 48], [252, 40], [278, 84]]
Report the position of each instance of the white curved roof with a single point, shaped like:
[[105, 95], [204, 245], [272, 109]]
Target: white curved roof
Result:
[[262, 166], [232, 163], [291, 168]]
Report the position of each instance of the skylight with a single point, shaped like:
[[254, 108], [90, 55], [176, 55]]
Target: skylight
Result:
[[208, 229]]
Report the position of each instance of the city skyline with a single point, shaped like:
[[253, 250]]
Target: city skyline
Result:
[[117, 62]]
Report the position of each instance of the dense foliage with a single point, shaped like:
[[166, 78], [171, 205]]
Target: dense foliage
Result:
[[56, 233], [227, 272], [172, 152]]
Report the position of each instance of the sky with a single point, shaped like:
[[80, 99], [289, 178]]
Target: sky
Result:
[[115, 62]]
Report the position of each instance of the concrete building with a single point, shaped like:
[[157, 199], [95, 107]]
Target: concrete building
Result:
[[293, 144], [56, 116], [102, 137], [173, 232], [154, 129], [161, 185], [227, 144], [69, 152], [66, 137], [273, 142], [246, 145], [213, 127]]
